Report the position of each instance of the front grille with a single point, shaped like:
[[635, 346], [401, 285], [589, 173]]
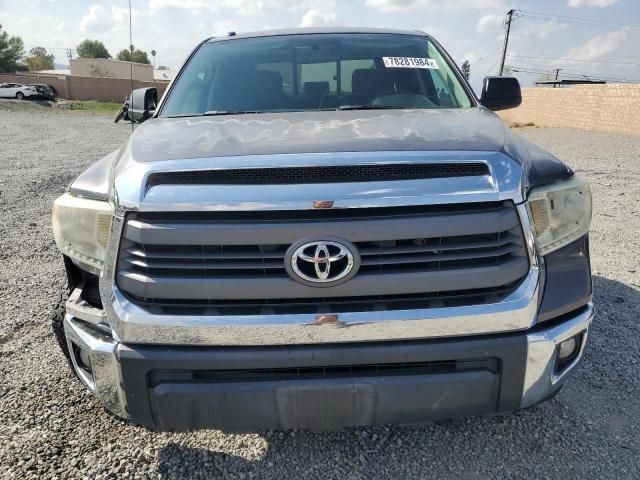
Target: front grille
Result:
[[328, 174], [388, 256], [158, 377], [410, 258]]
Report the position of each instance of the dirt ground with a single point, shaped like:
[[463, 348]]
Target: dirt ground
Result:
[[50, 427]]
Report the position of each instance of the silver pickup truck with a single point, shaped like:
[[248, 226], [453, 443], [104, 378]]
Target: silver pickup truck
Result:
[[321, 228]]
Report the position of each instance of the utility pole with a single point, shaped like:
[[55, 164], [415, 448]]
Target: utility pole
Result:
[[557, 72], [131, 50], [506, 39]]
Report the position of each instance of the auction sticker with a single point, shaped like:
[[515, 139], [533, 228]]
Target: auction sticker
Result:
[[409, 62]]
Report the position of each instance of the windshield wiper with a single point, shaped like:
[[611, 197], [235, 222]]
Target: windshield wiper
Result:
[[213, 113], [369, 107], [228, 112]]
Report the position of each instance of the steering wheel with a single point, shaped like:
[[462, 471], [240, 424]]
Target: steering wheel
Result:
[[403, 99]]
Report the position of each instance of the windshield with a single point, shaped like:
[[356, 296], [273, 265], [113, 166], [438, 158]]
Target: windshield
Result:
[[315, 72]]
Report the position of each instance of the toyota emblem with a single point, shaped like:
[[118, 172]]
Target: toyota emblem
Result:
[[322, 263]]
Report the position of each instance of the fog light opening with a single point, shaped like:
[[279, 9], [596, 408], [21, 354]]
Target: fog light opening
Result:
[[83, 360], [567, 351]]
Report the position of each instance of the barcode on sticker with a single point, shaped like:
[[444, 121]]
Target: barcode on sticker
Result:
[[409, 62]]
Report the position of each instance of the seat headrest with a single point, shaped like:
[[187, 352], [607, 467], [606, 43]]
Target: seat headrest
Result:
[[371, 82], [316, 89], [272, 81], [242, 89]]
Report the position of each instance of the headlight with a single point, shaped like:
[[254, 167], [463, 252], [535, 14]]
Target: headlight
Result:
[[561, 213], [81, 229]]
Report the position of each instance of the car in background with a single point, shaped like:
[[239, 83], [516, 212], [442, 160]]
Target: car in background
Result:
[[17, 90], [45, 92]]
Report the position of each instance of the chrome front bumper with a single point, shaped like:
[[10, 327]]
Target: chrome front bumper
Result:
[[132, 324], [540, 376]]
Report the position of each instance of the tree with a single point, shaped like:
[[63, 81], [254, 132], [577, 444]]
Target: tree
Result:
[[38, 59], [466, 69], [92, 49], [11, 51], [138, 56]]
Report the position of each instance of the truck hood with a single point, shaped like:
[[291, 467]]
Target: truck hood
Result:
[[318, 131], [463, 130]]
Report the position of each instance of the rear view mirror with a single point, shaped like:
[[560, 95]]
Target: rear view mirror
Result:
[[500, 93], [139, 106], [142, 104]]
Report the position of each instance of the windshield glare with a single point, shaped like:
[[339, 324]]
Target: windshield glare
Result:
[[315, 72]]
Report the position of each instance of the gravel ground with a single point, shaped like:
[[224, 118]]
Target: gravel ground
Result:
[[51, 428]]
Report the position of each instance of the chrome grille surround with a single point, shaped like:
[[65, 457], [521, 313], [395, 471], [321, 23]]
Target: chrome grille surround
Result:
[[133, 323]]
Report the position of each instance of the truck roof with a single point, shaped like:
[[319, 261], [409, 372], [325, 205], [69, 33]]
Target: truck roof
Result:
[[315, 30]]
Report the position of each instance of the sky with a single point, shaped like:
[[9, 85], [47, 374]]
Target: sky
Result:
[[597, 38]]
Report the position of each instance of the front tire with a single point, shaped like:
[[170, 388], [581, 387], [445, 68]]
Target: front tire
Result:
[[20, 96]]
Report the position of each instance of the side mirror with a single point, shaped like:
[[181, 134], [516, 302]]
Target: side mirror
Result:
[[142, 104], [500, 93]]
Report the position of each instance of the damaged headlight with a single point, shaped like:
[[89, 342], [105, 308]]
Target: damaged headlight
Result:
[[561, 213], [81, 228]]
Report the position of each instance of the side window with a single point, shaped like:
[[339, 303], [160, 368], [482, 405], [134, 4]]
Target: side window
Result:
[[316, 73], [285, 69], [347, 67]]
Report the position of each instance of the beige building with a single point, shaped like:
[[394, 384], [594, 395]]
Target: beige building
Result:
[[109, 68]]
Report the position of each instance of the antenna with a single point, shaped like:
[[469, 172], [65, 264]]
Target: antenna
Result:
[[130, 56]]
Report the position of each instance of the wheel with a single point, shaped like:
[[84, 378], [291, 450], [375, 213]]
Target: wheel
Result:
[[20, 96]]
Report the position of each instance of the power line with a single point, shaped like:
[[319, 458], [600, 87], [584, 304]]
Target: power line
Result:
[[565, 59], [575, 21], [488, 70], [546, 65], [551, 19], [534, 70], [68, 52], [572, 18], [577, 24], [597, 75], [529, 69]]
